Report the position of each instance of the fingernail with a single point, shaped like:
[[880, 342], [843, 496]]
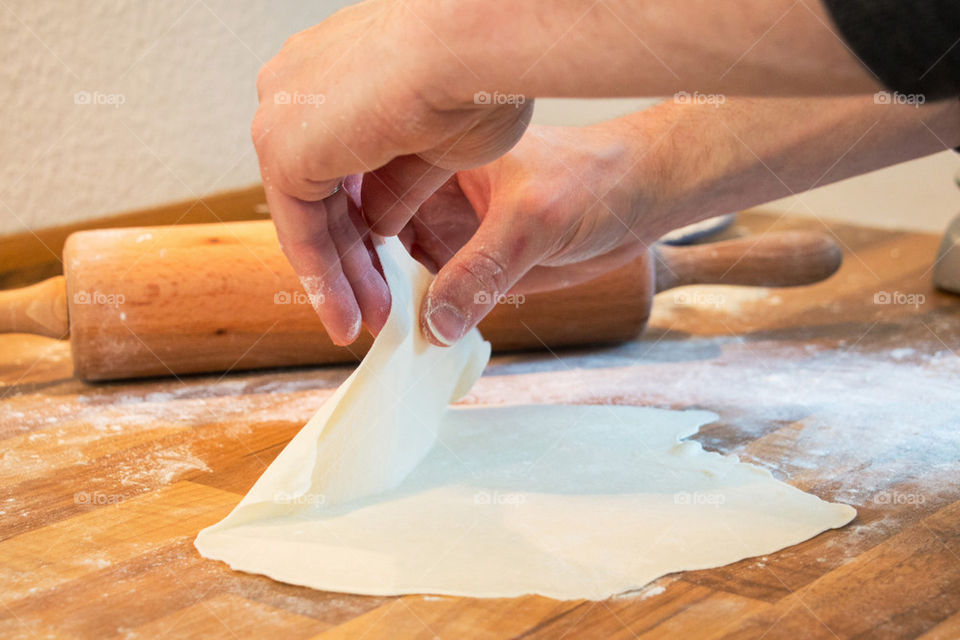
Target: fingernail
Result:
[[446, 323]]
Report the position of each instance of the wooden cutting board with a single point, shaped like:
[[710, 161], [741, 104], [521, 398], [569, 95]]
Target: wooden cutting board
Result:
[[848, 389]]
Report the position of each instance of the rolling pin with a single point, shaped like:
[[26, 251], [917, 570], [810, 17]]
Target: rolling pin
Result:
[[155, 301]]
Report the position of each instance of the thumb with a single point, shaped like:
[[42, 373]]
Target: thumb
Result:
[[466, 288]]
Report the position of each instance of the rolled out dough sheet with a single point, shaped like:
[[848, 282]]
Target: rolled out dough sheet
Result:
[[388, 491]]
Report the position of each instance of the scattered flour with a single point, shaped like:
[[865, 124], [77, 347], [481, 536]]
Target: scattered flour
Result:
[[725, 299], [651, 590], [884, 418]]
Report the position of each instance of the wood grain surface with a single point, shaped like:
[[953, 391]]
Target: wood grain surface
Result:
[[849, 389]]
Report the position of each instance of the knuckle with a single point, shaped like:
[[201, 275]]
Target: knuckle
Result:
[[298, 180], [288, 182], [312, 166], [534, 201], [303, 246], [258, 130], [293, 40], [487, 271]]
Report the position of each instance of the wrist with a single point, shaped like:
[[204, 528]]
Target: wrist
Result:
[[697, 165], [656, 170]]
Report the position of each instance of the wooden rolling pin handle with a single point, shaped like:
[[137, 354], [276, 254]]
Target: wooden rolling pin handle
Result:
[[783, 259], [40, 309]]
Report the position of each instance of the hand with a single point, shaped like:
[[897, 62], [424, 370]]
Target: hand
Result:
[[351, 96], [565, 206]]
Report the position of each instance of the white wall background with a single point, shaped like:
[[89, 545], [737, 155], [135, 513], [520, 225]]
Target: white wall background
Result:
[[184, 71]]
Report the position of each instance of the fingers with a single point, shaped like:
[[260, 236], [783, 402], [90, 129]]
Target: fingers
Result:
[[310, 248], [407, 237], [282, 163], [467, 287], [444, 223], [352, 184], [357, 261], [393, 193]]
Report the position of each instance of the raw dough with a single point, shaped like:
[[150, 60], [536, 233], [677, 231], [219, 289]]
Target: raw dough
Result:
[[387, 491]]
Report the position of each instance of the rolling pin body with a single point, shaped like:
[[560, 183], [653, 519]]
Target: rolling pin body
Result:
[[198, 298], [187, 299]]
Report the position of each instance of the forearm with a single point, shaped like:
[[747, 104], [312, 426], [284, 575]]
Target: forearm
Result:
[[750, 151], [639, 47]]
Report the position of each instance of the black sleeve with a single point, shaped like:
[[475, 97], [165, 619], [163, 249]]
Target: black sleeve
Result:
[[913, 46]]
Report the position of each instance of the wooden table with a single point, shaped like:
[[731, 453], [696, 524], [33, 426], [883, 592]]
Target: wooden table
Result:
[[103, 487]]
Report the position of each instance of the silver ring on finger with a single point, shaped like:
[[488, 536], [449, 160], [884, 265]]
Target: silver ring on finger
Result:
[[336, 189]]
